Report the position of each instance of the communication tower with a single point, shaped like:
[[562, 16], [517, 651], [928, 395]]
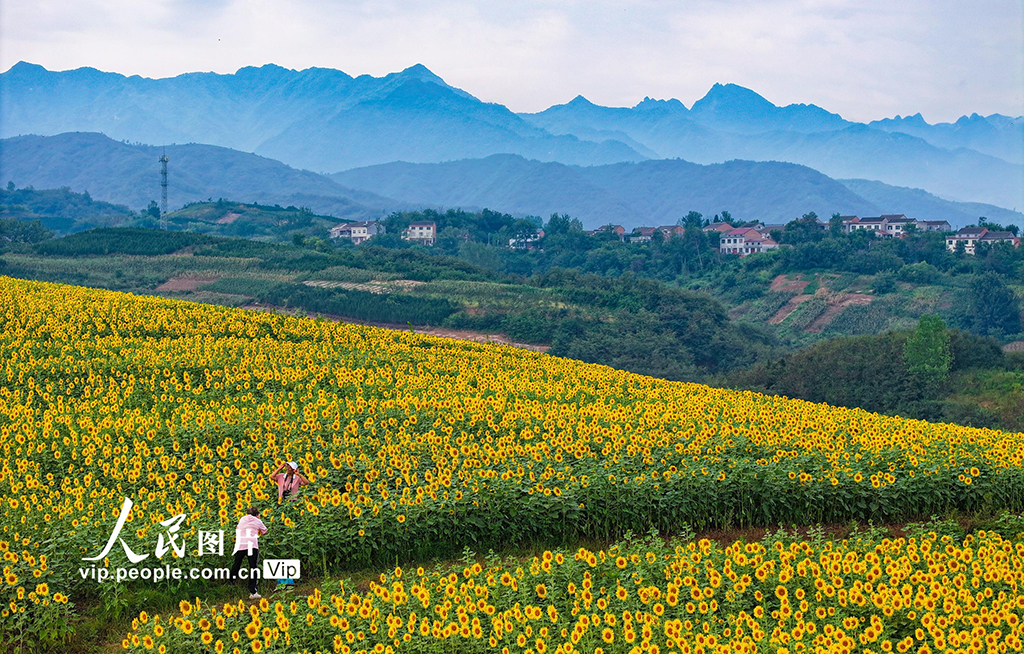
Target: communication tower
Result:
[[163, 190]]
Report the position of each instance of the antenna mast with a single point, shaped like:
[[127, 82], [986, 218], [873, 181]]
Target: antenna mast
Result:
[[163, 190]]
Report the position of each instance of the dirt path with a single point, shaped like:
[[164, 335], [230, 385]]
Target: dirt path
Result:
[[789, 308], [457, 334], [834, 309]]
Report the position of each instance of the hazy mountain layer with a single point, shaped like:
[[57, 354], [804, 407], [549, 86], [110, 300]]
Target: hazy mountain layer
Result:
[[732, 122], [631, 194], [320, 119], [130, 174], [648, 192], [922, 204], [656, 192], [997, 135]]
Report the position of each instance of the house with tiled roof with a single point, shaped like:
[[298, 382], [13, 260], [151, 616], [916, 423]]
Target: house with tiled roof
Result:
[[972, 237], [745, 240], [893, 225], [642, 234], [617, 230]]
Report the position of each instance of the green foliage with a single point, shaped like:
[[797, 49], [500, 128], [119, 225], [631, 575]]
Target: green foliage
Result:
[[20, 231], [60, 210], [901, 373], [919, 273], [806, 313], [927, 353], [359, 305], [884, 283], [768, 306], [145, 242], [992, 308]]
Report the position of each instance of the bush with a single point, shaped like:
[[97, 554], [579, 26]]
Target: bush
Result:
[[114, 240], [360, 305], [883, 283], [919, 273]]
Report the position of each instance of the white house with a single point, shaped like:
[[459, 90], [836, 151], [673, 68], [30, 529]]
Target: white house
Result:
[[744, 241], [972, 237], [423, 232], [357, 232]]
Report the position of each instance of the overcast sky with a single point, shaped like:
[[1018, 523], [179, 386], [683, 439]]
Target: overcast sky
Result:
[[864, 59]]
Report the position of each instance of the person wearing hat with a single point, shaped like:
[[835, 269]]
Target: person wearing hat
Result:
[[288, 482]]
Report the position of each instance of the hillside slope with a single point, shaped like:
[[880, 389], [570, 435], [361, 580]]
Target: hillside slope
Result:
[[130, 174], [650, 192]]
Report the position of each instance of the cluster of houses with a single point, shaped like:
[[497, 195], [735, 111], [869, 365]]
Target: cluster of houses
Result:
[[423, 232], [895, 226], [743, 240]]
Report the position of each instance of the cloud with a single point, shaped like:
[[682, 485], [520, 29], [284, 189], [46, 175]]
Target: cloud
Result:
[[864, 59]]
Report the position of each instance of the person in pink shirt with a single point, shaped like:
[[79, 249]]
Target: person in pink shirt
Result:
[[288, 482], [247, 535]]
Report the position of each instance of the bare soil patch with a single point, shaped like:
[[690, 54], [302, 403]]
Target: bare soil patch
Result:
[[185, 283], [228, 218], [783, 284]]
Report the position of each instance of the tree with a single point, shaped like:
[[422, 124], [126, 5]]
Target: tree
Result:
[[835, 226], [927, 353], [11, 187], [805, 229], [993, 308], [562, 224], [692, 220], [153, 209]]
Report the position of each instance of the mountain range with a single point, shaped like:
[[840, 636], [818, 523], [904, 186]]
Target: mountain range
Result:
[[632, 194], [326, 120], [731, 122]]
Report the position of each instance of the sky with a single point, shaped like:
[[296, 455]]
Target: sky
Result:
[[863, 59]]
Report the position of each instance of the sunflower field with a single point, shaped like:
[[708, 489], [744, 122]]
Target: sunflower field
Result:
[[416, 447], [927, 594]]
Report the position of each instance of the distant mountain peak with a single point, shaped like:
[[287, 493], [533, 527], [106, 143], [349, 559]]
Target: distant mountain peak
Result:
[[24, 68], [579, 101], [730, 95], [649, 103], [420, 73]]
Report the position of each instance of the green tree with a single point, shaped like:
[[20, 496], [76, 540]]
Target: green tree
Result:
[[927, 353], [993, 308], [562, 224], [153, 209], [693, 220], [835, 226]]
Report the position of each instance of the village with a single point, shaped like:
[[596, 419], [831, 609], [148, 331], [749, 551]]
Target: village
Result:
[[741, 240]]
